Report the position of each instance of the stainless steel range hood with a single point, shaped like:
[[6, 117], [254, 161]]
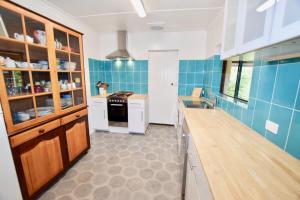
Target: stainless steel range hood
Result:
[[121, 53]]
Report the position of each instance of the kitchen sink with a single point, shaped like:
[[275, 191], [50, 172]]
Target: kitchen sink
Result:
[[198, 104]]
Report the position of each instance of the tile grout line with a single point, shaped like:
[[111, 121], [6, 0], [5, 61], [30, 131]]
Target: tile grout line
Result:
[[291, 121], [272, 97], [254, 108]]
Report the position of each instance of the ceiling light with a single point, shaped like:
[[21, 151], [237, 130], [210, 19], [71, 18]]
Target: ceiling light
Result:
[[268, 4], [139, 7]]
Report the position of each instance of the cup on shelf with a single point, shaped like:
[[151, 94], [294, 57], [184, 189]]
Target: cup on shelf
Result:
[[29, 39], [19, 36], [73, 85], [69, 85], [58, 44], [72, 66], [40, 36], [66, 65]]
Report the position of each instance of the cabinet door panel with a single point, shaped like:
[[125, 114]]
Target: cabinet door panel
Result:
[[41, 162], [286, 22], [76, 134], [99, 113], [136, 120], [255, 27]]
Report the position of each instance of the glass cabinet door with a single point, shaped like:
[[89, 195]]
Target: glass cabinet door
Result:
[[286, 23], [24, 67], [68, 64]]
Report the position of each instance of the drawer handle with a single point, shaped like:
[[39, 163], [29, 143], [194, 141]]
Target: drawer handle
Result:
[[78, 116], [41, 131]]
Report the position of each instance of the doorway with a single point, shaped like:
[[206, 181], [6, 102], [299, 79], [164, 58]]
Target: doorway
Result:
[[163, 86]]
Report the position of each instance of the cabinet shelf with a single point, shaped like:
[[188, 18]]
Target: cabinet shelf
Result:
[[25, 69], [21, 96]]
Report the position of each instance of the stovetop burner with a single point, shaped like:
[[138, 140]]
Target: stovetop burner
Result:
[[119, 97]]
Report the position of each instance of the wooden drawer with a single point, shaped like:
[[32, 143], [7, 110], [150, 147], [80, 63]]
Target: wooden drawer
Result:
[[74, 116], [33, 133]]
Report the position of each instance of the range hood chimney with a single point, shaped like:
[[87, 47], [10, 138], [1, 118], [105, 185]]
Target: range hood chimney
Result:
[[121, 53]]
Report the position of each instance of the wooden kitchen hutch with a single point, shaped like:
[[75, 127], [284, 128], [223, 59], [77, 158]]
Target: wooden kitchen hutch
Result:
[[42, 95]]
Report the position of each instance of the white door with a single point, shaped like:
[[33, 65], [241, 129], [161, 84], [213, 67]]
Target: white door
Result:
[[163, 86]]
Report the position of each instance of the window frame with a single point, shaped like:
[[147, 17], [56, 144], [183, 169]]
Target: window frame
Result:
[[238, 80]]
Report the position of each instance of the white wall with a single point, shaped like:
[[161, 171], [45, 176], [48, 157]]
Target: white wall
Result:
[[191, 44], [214, 35]]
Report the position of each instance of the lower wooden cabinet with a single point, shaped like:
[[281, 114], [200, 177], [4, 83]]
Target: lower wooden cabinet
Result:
[[77, 137], [40, 160], [43, 158]]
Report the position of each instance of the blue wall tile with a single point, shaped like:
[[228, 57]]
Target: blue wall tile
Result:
[[280, 116], [297, 106], [266, 82], [260, 116], [293, 146], [254, 81], [288, 76]]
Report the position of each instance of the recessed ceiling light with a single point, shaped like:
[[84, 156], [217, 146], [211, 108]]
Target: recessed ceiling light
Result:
[[268, 4], [139, 8], [156, 28]]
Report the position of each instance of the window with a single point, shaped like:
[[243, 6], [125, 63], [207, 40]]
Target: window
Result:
[[236, 79]]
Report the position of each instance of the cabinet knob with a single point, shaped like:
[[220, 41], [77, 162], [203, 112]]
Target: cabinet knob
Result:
[[41, 131], [77, 116]]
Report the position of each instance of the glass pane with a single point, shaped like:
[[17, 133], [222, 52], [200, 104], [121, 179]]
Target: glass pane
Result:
[[12, 54], [230, 26], [74, 43], [291, 14], [64, 81], [66, 100], [230, 78], [22, 110], [62, 60], [78, 97], [75, 64], [76, 78], [61, 41], [245, 81], [11, 24], [255, 21], [38, 58], [44, 105], [35, 32], [17, 83], [41, 81]]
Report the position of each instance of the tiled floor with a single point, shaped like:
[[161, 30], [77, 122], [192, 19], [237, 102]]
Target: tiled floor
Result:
[[122, 166]]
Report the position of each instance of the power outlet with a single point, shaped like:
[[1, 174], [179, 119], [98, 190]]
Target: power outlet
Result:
[[272, 127]]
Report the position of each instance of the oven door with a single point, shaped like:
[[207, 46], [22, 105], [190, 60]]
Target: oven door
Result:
[[117, 112]]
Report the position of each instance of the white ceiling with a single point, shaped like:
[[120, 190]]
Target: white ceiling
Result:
[[112, 15]]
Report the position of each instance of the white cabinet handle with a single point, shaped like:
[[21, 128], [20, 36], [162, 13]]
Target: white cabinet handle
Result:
[[192, 166], [142, 116]]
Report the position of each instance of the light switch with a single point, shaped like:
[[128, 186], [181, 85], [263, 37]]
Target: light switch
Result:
[[272, 127]]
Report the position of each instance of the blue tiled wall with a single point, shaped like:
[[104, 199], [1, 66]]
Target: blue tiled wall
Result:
[[191, 75], [213, 74], [274, 95], [120, 75]]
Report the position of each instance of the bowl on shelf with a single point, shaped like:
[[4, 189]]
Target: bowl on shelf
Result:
[[72, 66], [22, 116], [41, 111]]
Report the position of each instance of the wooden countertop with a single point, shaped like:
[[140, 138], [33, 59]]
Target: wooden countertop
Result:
[[189, 98], [102, 96], [138, 96], [239, 163]]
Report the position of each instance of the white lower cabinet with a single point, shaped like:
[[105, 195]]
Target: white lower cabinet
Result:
[[197, 187], [98, 111], [137, 115]]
